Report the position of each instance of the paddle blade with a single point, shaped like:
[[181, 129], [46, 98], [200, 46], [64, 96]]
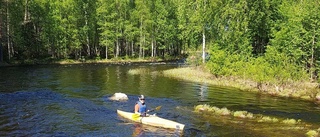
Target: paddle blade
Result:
[[135, 117], [158, 108]]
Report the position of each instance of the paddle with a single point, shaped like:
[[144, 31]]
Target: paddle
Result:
[[157, 108], [136, 116]]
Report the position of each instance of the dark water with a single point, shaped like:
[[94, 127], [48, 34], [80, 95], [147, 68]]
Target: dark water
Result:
[[72, 100]]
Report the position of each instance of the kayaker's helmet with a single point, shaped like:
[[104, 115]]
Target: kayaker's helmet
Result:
[[141, 97]]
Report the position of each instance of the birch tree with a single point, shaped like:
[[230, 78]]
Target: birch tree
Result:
[[106, 22], [142, 13]]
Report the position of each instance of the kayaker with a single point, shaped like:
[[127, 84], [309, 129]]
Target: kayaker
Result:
[[141, 107]]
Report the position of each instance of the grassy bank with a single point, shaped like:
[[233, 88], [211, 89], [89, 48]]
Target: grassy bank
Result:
[[301, 90]]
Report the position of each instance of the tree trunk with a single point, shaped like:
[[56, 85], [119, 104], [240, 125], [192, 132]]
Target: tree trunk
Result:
[[203, 46], [132, 50], [88, 46], [117, 47], [152, 42], [106, 52], [8, 33], [155, 48], [87, 33], [96, 51], [152, 48], [26, 13], [140, 47], [127, 48], [1, 53], [1, 26], [52, 49], [312, 67], [144, 43]]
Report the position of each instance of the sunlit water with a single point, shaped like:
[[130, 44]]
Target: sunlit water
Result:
[[72, 100]]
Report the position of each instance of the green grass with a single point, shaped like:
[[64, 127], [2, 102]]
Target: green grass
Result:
[[304, 91], [200, 75], [301, 90]]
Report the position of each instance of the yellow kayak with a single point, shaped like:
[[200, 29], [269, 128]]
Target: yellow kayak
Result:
[[152, 120]]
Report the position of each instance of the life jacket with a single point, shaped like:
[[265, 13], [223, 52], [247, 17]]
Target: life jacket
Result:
[[142, 107]]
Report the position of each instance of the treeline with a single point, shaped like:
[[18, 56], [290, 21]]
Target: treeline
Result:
[[264, 40], [90, 28]]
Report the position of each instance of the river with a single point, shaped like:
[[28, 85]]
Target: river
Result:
[[72, 100]]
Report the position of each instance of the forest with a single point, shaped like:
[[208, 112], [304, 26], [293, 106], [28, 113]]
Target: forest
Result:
[[268, 41]]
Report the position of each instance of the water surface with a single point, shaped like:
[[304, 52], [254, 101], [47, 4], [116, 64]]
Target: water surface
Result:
[[72, 100]]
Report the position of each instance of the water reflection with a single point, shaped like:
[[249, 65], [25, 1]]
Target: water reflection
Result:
[[137, 131], [203, 93], [140, 130]]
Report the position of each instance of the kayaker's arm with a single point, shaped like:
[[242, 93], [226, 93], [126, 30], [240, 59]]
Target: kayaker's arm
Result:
[[136, 109]]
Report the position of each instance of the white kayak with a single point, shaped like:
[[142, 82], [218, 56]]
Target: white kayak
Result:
[[152, 120]]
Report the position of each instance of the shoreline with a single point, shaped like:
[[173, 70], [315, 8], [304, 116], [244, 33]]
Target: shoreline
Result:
[[297, 90], [75, 62]]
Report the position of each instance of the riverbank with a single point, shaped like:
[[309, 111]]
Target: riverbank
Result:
[[301, 90], [84, 61]]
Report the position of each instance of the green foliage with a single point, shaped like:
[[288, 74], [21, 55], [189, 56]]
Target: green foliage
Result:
[[106, 22], [231, 27], [295, 36], [259, 70], [283, 69], [274, 68], [224, 63], [230, 55], [268, 41]]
